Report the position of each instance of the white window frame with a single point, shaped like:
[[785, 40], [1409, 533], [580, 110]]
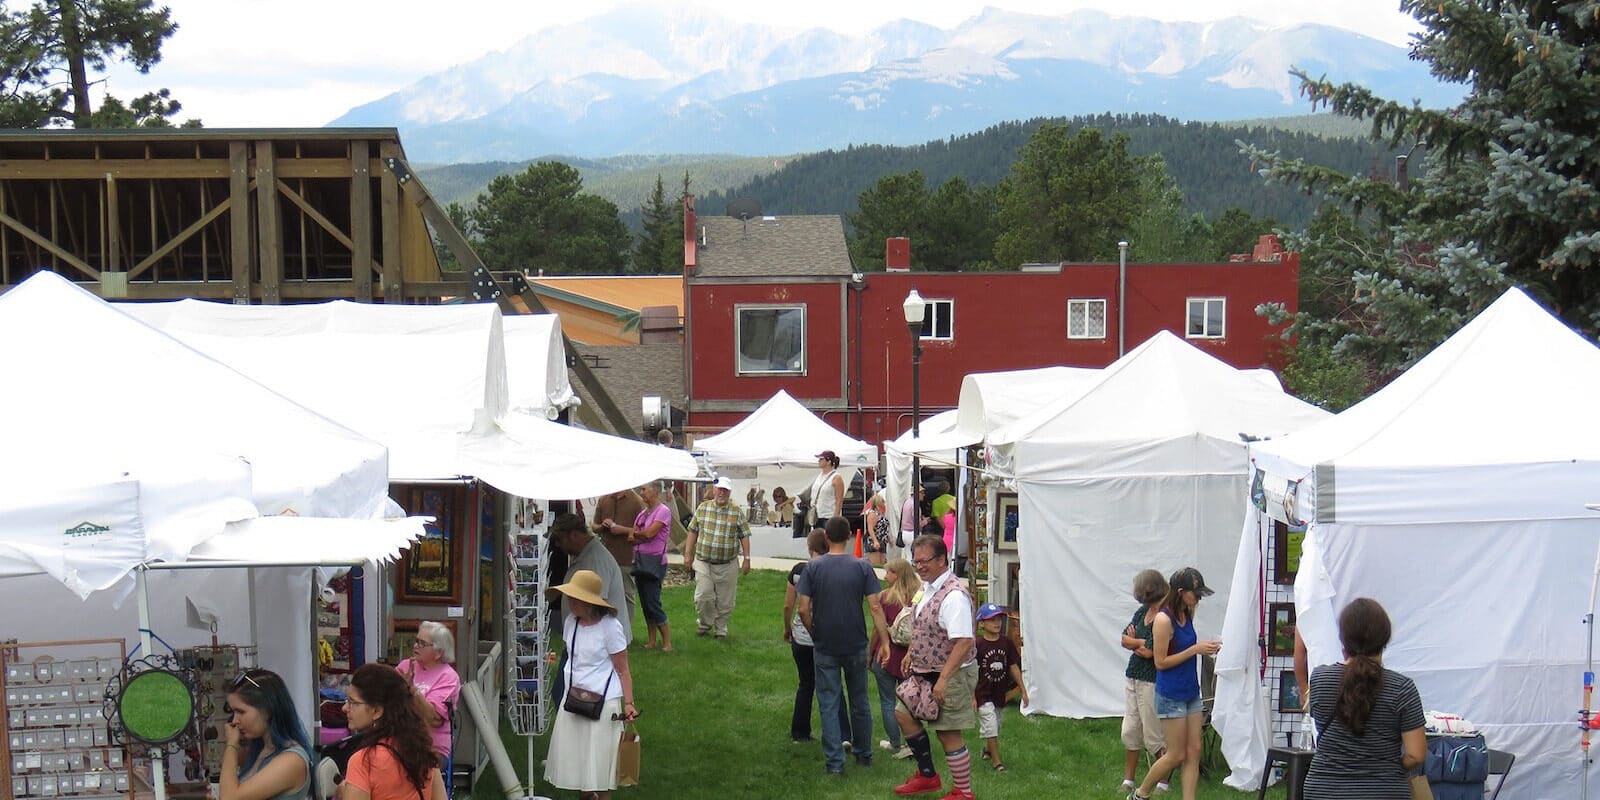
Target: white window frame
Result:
[[738, 337], [930, 320], [1206, 318], [1083, 304]]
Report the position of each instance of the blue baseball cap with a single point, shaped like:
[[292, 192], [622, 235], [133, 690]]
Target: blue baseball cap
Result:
[[989, 610]]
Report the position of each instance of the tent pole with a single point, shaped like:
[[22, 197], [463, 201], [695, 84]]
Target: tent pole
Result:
[[158, 761], [1586, 717]]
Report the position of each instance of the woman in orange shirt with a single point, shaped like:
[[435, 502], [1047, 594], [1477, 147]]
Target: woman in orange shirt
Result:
[[397, 761]]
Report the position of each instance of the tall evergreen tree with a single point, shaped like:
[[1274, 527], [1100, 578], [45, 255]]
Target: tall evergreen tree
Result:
[[1508, 196], [896, 206], [54, 48], [1068, 197], [656, 224], [540, 220]]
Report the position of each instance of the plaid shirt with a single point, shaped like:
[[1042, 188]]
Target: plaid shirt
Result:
[[717, 530]]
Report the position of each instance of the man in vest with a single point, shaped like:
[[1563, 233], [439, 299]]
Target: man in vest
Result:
[[941, 651]]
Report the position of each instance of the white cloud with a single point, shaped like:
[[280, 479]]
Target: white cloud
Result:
[[261, 63]]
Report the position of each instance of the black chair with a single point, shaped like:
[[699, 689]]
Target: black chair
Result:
[[1296, 764], [1500, 764]]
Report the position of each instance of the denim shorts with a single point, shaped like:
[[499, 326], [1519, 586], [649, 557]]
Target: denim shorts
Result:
[[1167, 708]]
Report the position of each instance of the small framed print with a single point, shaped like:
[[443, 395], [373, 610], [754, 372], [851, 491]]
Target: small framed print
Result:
[[430, 572], [1007, 522], [1289, 693], [1280, 625], [1286, 544]]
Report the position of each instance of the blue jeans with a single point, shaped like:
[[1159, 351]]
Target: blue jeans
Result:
[[853, 669], [886, 700]]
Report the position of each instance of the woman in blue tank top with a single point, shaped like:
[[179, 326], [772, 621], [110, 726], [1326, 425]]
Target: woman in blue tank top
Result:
[[1177, 651]]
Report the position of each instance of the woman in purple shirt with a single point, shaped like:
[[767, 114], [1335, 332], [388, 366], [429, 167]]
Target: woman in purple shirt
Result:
[[649, 535]]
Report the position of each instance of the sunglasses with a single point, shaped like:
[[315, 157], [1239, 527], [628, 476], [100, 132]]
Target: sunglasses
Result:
[[244, 677]]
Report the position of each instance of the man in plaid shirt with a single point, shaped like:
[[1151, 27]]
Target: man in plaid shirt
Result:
[[718, 534]]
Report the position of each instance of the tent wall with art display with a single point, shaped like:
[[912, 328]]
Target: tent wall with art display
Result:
[[1144, 470], [777, 446], [128, 451], [1455, 497]]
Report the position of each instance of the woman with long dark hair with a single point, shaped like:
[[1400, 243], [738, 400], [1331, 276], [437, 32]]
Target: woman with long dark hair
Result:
[[1177, 654], [396, 760], [266, 755], [1369, 718]]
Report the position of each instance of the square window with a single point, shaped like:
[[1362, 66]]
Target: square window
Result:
[[939, 322], [771, 340], [1086, 319], [1206, 317]]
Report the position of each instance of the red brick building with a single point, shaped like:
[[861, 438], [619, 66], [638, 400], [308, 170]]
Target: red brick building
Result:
[[773, 303]]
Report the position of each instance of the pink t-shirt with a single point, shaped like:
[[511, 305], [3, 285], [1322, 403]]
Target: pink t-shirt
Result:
[[657, 545], [439, 686]]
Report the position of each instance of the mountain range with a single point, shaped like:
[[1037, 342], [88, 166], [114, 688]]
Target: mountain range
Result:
[[647, 80]]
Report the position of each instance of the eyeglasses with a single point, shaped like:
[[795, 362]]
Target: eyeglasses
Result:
[[349, 702], [926, 561], [243, 677], [421, 643]]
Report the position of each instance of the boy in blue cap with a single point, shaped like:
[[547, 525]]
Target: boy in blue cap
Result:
[[999, 670]]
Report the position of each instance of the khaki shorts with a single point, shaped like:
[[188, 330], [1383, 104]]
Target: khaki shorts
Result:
[[957, 712], [1140, 728]]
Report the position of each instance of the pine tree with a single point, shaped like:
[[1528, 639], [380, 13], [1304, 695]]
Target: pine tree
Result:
[[655, 221]]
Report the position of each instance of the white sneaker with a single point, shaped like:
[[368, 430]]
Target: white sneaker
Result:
[[1128, 784], [1162, 788], [884, 744], [903, 752], [847, 747]]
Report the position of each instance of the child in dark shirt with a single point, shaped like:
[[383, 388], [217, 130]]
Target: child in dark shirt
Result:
[[999, 670]]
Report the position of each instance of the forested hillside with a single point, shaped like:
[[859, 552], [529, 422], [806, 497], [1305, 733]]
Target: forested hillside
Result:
[[1203, 158]]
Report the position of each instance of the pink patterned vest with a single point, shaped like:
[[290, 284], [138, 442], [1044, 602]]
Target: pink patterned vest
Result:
[[930, 647]]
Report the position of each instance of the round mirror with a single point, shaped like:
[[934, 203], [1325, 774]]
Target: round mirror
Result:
[[155, 706]]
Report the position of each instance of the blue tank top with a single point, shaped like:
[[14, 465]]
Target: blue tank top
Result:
[[1183, 681]]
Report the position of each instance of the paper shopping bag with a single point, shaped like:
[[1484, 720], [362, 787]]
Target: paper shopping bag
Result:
[[628, 756], [1420, 788]]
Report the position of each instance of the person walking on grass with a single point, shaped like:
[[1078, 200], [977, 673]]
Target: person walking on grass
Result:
[[941, 653], [800, 647], [718, 534], [831, 591], [999, 671], [1140, 727], [1177, 656]]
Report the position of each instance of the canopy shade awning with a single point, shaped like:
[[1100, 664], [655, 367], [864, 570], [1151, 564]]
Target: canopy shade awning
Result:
[[783, 432]]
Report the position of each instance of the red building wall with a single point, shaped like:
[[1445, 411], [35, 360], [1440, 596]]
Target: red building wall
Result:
[[1001, 321]]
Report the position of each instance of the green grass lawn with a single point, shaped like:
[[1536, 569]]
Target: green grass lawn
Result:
[[714, 722]]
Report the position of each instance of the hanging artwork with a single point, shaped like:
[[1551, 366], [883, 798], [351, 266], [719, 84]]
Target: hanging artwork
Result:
[[1280, 639], [1007, 519], [431, 570], [1286, 543]]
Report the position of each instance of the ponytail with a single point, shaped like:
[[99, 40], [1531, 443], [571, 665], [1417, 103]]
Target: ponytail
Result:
[[1364, 631]]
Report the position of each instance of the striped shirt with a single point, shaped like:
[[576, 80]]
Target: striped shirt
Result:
[[1367, 766], [717, 530]]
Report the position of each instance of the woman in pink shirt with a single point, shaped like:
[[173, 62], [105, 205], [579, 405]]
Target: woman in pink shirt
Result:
[[649, 534], [434, 677]]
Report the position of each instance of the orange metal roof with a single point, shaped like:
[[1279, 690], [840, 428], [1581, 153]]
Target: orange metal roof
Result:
[[631, 292]]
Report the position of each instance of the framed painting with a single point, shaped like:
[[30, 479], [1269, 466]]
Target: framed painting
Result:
[[431, 571], [1289, 694], [1280, 622], [398, 648], [1014, 585], [1286, 544], [1007, 522]]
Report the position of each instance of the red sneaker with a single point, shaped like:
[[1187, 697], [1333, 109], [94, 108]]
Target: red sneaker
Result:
[[919, 784], [957, 794]]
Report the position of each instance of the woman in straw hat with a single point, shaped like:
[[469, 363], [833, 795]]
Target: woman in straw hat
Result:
[[583, 752]]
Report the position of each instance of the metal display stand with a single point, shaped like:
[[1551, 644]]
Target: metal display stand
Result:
[[57, 741], [215, 666], [528, 666]]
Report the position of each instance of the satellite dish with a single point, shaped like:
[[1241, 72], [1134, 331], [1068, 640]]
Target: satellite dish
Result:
[[745, 208]]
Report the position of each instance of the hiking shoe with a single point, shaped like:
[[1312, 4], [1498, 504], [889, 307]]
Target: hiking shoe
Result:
[[919, 784]]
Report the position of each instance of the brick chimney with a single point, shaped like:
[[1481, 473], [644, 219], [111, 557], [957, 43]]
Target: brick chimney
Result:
[[897, 254], [659, 325], [1267, 248], [690, 237]]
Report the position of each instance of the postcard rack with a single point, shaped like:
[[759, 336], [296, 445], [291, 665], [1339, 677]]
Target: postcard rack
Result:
[[57, 738]]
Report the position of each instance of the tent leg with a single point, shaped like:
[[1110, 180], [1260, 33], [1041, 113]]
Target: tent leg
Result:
[[158, 762]]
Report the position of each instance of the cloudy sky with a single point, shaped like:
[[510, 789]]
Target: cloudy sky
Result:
[[281, 63]]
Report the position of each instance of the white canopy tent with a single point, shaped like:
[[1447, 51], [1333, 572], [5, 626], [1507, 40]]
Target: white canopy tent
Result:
[[1144, 470], [1455, 497], [431, 383], [988, 402], [782, 432]]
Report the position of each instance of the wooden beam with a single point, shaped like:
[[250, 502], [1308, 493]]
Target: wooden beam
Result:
[[239, 188], [165, 168], [269, 225], [326, 224], [173, 243], [389, 207], [44, 242], [113, 226], [361, 220]]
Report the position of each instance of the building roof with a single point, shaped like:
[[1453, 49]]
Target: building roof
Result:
[[614, 293], [631, 372], [801, 246]]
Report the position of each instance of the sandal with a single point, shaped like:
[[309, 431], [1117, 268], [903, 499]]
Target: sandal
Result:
[[999, 767]]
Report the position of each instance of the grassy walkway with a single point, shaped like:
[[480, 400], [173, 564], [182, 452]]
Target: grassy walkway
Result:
[[715, 723]]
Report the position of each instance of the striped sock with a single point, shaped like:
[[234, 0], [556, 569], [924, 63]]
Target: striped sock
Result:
[[960, 763]]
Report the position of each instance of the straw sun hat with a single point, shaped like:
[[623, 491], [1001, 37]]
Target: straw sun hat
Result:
[[585, 585]]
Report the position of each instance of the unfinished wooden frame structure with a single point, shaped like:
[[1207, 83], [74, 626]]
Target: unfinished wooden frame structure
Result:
[[262, 216]]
